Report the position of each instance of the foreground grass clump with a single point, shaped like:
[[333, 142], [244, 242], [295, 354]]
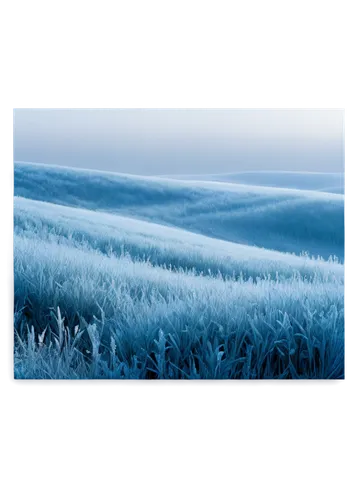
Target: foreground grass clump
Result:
[[284, 349]]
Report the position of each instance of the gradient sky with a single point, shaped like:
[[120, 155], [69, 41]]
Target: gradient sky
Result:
[[176, 141]]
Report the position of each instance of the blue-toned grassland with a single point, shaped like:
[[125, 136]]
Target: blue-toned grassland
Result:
[[120, 276]]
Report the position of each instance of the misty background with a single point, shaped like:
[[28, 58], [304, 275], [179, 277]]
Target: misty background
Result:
[[180, 141]]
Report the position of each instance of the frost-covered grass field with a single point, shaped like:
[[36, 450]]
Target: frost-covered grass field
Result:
[[120, 276]]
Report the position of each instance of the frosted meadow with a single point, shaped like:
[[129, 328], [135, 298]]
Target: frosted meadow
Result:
[[124, 276]]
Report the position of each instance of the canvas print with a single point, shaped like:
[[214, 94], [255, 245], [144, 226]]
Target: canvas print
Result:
[[178, 244]]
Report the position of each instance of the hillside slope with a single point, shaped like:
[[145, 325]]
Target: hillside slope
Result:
[[159, 245], [288, 220]]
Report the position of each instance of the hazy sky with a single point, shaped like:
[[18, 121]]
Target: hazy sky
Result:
[[170, 141]]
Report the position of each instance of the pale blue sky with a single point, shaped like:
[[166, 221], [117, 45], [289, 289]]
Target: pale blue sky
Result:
[[170, 141]]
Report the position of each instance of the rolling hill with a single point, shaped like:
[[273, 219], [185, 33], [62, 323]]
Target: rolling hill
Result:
[[160, 245], [283, 219]]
